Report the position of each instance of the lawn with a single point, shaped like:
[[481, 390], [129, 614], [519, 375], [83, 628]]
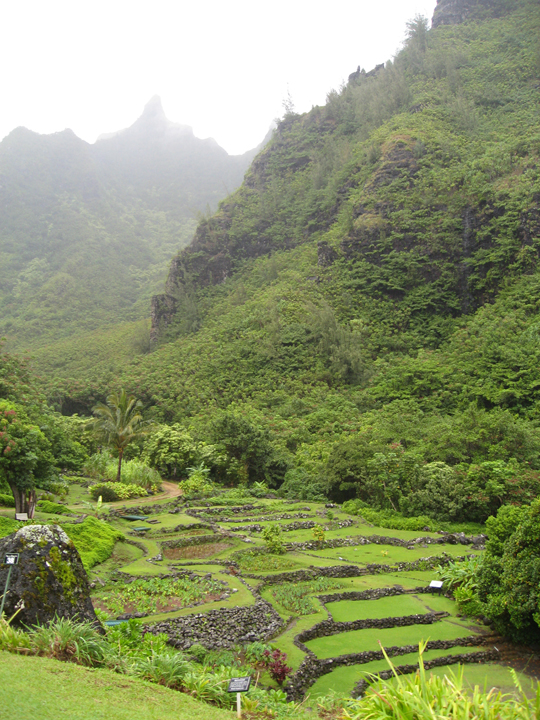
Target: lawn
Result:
[[388, 554], [356, 641], [343, 679], [393, 606], [33, 688]]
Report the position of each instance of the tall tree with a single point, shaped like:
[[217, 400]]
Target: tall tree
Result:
[[119, 422], [26, 460]]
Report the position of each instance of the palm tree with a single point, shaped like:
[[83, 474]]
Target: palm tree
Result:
[[119, 422]]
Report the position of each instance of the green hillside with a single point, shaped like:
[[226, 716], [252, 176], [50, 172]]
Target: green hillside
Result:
[[370, 294], [87, 231]]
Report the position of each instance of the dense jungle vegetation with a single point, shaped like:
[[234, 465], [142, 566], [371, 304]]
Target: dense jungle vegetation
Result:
[[360, 319]]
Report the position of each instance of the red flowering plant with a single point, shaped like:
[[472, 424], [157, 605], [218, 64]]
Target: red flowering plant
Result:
[[275, 663]]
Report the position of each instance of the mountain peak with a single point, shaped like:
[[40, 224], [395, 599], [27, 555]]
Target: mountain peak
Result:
[[154, 110], [152, 123]]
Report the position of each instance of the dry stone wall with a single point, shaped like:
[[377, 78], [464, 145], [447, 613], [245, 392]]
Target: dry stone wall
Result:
[[312, 668], [222, 629]]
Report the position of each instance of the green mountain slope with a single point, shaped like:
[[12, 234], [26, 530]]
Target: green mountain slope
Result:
[[87, 231], [369, 298]]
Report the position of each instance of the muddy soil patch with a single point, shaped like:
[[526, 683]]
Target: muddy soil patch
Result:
[[195, 551]]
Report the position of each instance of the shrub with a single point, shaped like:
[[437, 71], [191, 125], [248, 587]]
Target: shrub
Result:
[[103, 465], [139, 474], [53, 508], [96, 465], [276, 664], [111, 491], [167, 668], [255, 652], [13, 639], [300, 485], [318, 533], [508, 584], [198, 651], [7, 500], [273, 538], [396, 521], [197, 483]]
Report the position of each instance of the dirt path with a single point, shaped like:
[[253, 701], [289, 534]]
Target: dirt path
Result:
[[170, 490]]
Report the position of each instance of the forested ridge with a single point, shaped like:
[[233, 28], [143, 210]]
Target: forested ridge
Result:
[[360, 318], [87, 231]]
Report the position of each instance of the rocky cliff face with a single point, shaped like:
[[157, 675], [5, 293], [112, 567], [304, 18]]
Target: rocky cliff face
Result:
[[386, 219], [454, 12]]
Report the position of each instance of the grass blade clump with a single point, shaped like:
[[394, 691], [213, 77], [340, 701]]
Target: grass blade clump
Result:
[[70, 641], [167, 668], [423, 697]]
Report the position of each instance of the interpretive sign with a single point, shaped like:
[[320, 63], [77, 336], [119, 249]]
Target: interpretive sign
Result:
[[240, 684], [436, 585]]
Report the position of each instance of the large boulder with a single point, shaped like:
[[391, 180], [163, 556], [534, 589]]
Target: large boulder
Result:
[[49, 579]]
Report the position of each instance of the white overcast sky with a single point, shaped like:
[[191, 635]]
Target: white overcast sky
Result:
[[222, 67]]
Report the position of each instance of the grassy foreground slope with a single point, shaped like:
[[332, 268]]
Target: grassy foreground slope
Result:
[[33, 688]]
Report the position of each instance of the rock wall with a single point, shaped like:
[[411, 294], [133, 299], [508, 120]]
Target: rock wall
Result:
[[312, 668], [474, 657], [332, 627], [222, 629]]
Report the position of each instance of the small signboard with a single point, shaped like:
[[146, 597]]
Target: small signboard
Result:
[[240, 684], [436, 585], [12, 559]]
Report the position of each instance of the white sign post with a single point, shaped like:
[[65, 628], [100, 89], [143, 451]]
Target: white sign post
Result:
[[11, 559], [239, 685]]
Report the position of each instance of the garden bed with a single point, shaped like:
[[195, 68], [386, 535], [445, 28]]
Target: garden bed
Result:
[[195, 551], [149, 596]]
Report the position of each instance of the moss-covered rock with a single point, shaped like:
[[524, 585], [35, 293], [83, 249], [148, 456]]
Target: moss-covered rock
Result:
[[49, 579]]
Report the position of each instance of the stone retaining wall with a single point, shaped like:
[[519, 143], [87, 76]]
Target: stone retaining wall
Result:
[[274, 518], [312, 668], [181, 528], [146, 509], [284, 528], [332, 627], [234, 509], [223, 628], [341, 571], [354, 540], [372, 594], [481, 656]]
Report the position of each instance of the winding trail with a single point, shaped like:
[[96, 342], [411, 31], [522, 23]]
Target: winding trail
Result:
[[171, 490]]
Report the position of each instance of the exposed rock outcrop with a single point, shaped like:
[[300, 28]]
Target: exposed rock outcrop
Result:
[[49, 580], [454, 12]]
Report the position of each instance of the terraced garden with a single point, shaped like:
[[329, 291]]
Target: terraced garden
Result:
[[202, 573]]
